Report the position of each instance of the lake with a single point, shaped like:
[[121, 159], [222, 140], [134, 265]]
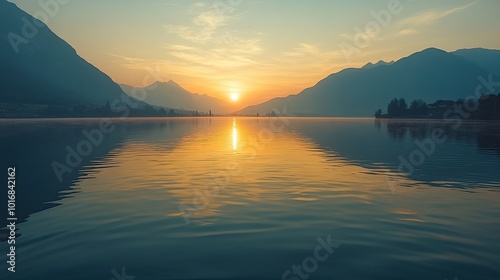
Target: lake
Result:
[[253, 198]]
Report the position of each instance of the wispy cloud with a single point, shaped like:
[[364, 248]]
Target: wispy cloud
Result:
[[309, 61], [407, 31], [430, 17], [210, 19], [204, 43], [412, 25], [307, 50], [164, 69], [225, 51], [204, 24], [134, 63]]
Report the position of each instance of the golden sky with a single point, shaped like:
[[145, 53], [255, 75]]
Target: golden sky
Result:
[[261, 49]]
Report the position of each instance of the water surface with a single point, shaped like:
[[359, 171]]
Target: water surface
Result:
[[248, 198]]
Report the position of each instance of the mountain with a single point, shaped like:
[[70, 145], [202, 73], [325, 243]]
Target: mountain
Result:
[[489, 60], [38, 67], [171, 94], [370, 65], [429, 75]]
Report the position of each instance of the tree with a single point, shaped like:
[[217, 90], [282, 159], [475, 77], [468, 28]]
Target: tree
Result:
[[418, 107], [392, 108], [397, 108], [402, 107]]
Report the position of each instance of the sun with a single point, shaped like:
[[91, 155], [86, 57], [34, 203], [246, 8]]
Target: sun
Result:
[[235, 96]]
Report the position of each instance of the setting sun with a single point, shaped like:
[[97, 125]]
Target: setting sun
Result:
[[235, 96], [314, 136]]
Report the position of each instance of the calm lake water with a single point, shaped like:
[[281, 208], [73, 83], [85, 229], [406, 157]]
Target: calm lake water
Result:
[[250, 198]]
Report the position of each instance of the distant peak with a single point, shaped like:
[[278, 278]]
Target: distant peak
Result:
[[384, 62], [433, 50], [172, 82], [429, 55], [379, 63], [160, 83], [474, 49], [170, 85], [482, 50]]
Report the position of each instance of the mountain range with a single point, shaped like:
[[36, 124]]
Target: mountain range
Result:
[[38, 67], [430, 75], [171, 94], [489, 60]]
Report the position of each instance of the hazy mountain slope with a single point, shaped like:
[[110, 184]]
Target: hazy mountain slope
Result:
[[489, 60], [171, 94], [430, 74], [46, 70]]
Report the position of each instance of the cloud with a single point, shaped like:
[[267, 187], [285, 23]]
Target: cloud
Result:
[[430, 17], [307, 61], [225, 51], [204, 24], [347, 36], [210, 19], [198, 5], [180, 48], [307, 50], [407, 32], [204, 43], [132, 62], [164, 69], [411, 25], [188, 33], [203, 47]]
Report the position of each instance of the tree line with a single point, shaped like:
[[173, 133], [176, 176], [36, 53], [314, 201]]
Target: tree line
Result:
[[83, 111], [485, 108]]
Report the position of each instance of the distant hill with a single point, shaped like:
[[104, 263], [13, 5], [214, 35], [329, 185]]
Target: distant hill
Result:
[[46, 69], [170, 94], [356, 92]]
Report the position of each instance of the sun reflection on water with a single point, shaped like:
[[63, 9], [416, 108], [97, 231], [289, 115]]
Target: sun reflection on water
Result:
[[235, 136]]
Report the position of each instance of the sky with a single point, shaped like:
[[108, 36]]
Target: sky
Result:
[[259, 49]]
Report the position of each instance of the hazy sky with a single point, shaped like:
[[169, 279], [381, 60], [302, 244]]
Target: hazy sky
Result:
[[261, 49]]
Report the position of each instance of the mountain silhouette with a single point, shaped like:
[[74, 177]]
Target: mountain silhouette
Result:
[[370, 65], [38, 67], [489, 60], [171, 94], [430, 75]]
